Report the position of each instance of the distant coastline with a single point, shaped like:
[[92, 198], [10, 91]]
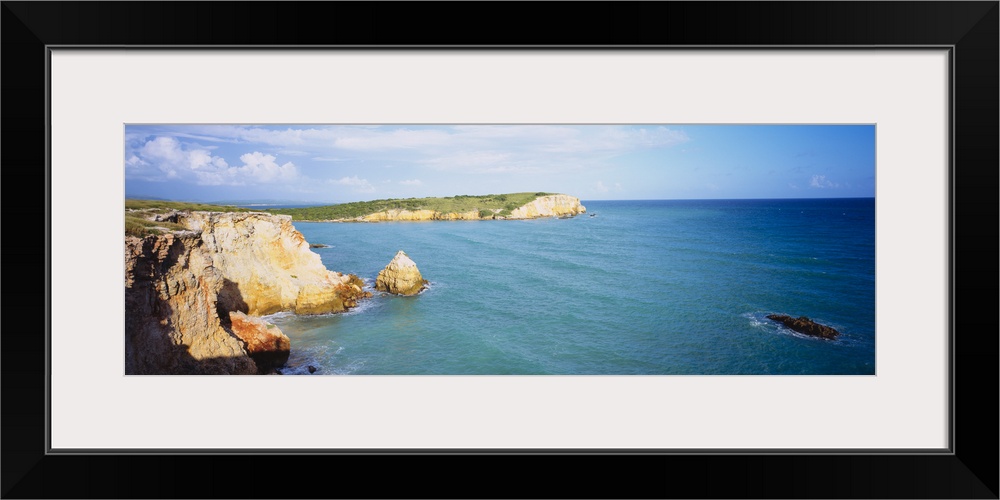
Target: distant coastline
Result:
[[462, 207]]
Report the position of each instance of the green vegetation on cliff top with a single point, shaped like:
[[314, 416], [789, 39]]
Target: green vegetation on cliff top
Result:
[[451, 204], [139, 213], [162, 206], [486, 205]]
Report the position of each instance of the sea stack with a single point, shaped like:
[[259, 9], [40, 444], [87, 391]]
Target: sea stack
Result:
[[401, 276]]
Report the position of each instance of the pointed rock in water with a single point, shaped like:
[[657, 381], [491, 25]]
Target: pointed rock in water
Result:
[[401, 276], [805, 325]]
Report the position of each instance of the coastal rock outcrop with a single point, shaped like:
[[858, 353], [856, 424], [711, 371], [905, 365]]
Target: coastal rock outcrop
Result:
[[402, 214], [267, 265], [191, 295], [172, 324], [805, 325], [264, 342], [556, 205], [401, 276]]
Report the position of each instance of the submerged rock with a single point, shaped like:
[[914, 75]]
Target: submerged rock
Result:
[[805, 325], [401, 276]]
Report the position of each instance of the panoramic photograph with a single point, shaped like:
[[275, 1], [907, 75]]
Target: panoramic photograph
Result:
[[536, 249]]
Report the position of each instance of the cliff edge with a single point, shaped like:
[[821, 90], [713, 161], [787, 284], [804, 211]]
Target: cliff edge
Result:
[[181, 286], [556, 205]]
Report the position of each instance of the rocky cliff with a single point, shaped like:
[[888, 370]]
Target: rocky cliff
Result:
[[267, 265], [188, 293], [556, 205], [172, 325], [417, 215]]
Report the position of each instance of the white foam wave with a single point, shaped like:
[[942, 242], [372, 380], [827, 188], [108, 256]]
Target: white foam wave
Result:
[[277, 315]]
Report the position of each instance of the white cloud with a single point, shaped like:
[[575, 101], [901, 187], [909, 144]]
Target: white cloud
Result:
[[820, 181], [473, 149], [374, 139], [134, 161], [358, 185], [263, 168], [411, 182], [163, 158], [601, 187]]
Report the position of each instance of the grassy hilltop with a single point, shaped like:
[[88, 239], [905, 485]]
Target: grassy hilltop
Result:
[[451, 204], [139, 212]]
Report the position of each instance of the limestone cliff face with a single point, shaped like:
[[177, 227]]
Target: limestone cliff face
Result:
[[172, 324], [557, 205], [398, 214], [401, 276], [188, 294], [267, 265]]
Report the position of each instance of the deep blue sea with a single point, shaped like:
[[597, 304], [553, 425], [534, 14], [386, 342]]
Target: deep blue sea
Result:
[[642, 287]]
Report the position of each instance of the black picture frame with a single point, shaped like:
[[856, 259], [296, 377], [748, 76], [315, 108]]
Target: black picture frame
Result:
[[970, 29]]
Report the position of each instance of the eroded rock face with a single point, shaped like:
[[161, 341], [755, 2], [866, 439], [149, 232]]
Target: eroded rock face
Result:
[[171, 320], [417, 215], [264, 342], [266, 264], [557, 205], [181, 288], [805, 325], [401, 276]]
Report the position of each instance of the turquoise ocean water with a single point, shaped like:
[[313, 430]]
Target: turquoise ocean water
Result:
[[643, 287]]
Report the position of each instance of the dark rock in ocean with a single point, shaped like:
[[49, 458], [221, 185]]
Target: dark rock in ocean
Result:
[[318, 245], [312, 369], [805, 325]]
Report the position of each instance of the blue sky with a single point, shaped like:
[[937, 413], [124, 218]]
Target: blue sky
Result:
[[338, 163]]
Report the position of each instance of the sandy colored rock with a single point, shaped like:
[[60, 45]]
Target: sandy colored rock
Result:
[[266, 264], [400, 214], [264, 342], [557, 205], [401, 276], [181, 288], [171, 321]]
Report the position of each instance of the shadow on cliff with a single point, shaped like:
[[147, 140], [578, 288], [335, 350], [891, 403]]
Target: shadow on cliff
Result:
[[151, 334], [230, 299]]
